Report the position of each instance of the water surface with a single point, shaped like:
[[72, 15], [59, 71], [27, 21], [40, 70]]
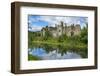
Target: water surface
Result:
[[51, 52]]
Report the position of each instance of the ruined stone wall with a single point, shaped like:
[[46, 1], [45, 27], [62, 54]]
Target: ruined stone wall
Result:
[[77, 30], [62, 28]]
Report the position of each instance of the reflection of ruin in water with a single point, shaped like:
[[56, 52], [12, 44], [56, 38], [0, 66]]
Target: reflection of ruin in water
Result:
[[52, 52]]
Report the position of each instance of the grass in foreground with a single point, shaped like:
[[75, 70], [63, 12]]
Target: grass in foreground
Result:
[[31, 57], [70, 44]]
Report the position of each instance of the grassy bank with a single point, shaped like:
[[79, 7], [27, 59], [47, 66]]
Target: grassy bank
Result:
[[31, 57], [69, 44]]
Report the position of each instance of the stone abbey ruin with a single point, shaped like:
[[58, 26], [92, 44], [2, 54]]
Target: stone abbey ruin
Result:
[[62, 28]]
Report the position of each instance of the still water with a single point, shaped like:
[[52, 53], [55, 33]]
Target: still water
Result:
[[51, 52]]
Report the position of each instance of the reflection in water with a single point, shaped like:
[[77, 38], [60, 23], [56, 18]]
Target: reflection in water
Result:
[[51, 52]]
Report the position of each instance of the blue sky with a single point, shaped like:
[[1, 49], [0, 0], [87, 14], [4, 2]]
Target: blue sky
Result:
[[37, 22]]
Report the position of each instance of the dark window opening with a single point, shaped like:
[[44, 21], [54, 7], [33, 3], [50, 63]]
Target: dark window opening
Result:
[[72, 33]]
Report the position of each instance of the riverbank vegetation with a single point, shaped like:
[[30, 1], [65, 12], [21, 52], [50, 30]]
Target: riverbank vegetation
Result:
[[79, 41]]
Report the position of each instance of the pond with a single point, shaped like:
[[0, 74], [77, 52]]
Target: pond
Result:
[[52, 52]]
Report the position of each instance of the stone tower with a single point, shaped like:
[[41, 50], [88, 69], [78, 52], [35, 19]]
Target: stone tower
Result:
[[77, 29], [60, 29]]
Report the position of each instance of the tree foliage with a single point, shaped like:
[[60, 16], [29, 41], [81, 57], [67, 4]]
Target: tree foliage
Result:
[[84, 35]]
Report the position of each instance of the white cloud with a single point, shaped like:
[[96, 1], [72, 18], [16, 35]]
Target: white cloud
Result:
[[55, 20], [35, 28], [52, 20], [32, 20]]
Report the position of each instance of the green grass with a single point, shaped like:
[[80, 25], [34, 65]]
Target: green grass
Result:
[[69, 44], [31, 57]]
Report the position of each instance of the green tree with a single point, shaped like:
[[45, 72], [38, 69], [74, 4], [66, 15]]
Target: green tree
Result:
[[47, 33], [84, 35]]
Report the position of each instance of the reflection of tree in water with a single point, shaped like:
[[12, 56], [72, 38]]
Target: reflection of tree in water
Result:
[[48, 48], [62, 49]]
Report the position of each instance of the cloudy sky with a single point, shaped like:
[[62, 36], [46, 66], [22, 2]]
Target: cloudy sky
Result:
[[37, 22]]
